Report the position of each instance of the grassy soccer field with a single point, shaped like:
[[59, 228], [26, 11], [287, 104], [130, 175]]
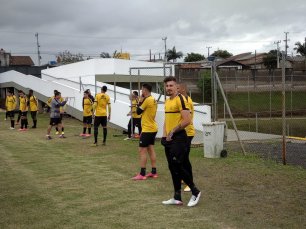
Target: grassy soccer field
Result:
[[64, 183]]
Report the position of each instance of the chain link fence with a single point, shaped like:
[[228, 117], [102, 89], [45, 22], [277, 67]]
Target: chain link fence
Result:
[[254, 95]]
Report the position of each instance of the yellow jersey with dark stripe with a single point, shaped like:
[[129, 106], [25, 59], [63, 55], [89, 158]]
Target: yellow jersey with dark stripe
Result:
[[149, 107], [11, 103], [102, 101], [19, 102], [23, 104], [134, 108], [190, 128], [33, 103], [87, 107], [173, 108], [61, 100]]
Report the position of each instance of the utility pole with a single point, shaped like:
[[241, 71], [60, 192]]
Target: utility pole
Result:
[[165, 39], [38, 52], [277, 42], [286, 43], [208, 50]]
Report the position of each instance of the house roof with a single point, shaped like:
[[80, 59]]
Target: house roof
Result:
[[250, 56], [296, 58], [239, 56], [226, 61], [21, 60]]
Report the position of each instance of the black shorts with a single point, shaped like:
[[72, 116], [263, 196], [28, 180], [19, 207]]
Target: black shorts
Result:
[[147, 139], [55, 121], [100, 120], [24, 114], [62, 116], [19, 113], [137, 122], [177, 148], [11, 114], [33, 113], [87, 119]]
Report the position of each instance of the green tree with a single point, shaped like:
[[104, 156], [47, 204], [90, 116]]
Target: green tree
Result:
[[222, 53], [270, 60], [173, 55], [204, 84], [300, 48], [116, 55], [192, 57], [68, 58]]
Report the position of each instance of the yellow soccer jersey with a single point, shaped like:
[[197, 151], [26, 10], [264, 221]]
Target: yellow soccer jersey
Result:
[[87, 107], [134, 108], [33, 103], [173, 107], [149, 107], [102, 101], [11, 103], [20, 102], [61, 100], [23, 104], [190, 128]]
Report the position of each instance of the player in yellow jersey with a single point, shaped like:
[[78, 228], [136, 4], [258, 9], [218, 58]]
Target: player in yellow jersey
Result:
[[24, 111], [62, 110], [177, 118], [11, 102], [87, 114], [102, 101], [147, 107], [19, 112], [33, 106], [136, 118], [181, 88]]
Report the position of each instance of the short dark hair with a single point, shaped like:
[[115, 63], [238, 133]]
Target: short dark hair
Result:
[[135, 93], [147, 86], [31, 91], [86, 92], [104, 88], [19, 91], [57, 93], [183, 84], [10, 92], [169, 78]]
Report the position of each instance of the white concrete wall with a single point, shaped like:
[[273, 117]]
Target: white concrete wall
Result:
[[69, 87]]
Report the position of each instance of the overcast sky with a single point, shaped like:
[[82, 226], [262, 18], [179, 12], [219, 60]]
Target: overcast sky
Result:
[[94, 26]]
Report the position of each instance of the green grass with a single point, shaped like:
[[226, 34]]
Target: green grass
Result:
[[259, 101], [274, 126], [64, 183]]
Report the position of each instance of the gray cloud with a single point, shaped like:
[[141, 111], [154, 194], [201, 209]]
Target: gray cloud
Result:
[[238, 26]]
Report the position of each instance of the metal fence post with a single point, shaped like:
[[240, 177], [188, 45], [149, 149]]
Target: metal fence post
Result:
[[284, 105]]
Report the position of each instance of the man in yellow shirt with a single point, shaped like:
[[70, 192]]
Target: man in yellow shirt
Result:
[[147, 107], [19, 112], [181, 88], [177, 118], [136, 118], [11, 102], [102, 101], [62, 110], [24, 111], [33, 106], [87, 114]]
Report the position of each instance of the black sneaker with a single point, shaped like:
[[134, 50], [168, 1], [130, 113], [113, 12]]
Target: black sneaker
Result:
[[62, 136], [48, 137], [104, 143], [33, 127]]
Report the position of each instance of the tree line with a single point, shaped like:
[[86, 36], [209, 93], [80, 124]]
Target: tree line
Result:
[[270, 60]]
